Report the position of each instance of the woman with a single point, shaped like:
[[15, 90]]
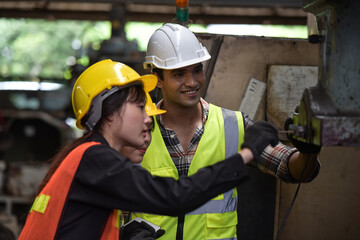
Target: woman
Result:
[[90, 178], [136, 154]]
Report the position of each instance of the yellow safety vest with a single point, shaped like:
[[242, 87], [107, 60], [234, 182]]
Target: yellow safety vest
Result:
[[216, 219]]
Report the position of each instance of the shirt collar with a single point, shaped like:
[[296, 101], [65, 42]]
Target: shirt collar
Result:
[[204, 106]]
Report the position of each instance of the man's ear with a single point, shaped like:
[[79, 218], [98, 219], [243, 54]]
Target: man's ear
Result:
[[159, 82]]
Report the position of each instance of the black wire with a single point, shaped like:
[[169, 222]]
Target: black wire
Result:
[[288, 212], [292, 201]]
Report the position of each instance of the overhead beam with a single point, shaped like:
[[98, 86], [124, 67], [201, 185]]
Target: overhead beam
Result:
[[203, 14]]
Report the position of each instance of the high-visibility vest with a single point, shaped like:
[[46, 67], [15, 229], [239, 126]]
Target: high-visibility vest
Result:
[[216, 219], [111, 230], [43, 219]]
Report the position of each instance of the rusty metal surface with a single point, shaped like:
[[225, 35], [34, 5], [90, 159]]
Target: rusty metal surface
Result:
[[326, 125], [24, 178], [340, 30], [331, 110], [340, 131]]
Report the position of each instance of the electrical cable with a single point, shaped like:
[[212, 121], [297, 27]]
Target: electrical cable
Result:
[[288, 212], [292, 201]]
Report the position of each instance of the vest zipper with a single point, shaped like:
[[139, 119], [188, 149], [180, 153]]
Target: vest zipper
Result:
[[180, 227]]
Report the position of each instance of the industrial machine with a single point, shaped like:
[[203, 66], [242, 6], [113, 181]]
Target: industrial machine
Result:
[[329, 113]]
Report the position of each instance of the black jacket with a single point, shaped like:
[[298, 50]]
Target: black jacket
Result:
[[106, 180]]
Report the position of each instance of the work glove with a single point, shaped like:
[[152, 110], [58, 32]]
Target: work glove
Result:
[[142, 234], [303, 147], [145, 232], [258, 136]]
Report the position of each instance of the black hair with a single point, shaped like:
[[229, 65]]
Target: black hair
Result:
[[117, 100], [159, 72]]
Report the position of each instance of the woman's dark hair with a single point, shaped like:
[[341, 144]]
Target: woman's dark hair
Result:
[[115, 101], [111, 104]]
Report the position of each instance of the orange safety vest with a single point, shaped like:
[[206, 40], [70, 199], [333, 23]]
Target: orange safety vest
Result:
[[43, 219]]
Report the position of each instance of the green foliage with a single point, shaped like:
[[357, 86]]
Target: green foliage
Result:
[[42, 49], [35, 49], [141, 32]]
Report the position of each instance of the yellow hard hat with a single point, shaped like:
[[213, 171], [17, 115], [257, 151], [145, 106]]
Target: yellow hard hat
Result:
[[104, 75], [151, 108]]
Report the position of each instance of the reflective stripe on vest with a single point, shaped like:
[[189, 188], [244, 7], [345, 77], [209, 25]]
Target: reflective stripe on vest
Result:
[[217, 219], [43, 219], [231, 128], [229, 202]]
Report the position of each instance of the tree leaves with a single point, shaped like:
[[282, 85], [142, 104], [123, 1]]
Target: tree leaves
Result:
[[33, 49]]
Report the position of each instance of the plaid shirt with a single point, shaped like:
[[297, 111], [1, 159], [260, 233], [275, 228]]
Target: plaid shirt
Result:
[[272, 161]]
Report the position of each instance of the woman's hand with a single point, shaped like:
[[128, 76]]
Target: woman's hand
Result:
[[258, 136]]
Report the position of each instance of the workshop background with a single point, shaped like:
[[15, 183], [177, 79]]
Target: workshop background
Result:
[[265, 77]]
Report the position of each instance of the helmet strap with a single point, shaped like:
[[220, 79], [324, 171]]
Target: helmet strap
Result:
[[94, 113]]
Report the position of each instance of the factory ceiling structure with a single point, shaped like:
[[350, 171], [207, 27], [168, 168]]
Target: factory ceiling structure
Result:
[[340, 119], [285, 12]]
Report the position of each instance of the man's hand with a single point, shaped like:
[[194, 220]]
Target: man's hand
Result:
[[303, 147], [258, 136]]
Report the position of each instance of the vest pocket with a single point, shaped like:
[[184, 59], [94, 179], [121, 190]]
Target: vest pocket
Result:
[[221, 225], [156, 219], [163, 172]]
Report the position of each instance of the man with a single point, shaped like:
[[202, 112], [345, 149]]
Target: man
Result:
[[135, 155], [193, 134]]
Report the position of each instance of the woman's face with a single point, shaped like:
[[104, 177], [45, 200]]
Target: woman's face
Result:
[[130, 125], [134, 154]]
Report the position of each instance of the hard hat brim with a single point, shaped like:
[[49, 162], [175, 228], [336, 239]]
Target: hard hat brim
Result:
[[155, 112], [149, 81]]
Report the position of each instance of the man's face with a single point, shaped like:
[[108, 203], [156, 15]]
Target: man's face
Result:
[[183, 86]]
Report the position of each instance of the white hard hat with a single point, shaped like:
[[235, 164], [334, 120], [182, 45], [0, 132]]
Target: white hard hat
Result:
[[174, 46]]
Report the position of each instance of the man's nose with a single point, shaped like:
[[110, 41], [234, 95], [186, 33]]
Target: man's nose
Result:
[[190, 80]]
